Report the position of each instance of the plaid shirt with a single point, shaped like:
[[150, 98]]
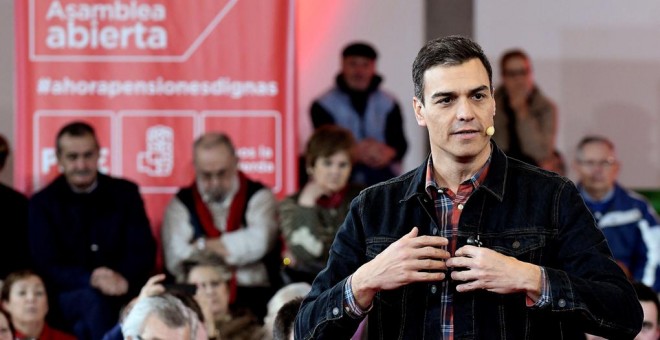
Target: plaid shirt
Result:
[[448, 208]]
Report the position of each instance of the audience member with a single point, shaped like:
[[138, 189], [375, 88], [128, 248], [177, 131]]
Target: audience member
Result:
[[554, 163], [212, 277], [14, 228], [472, 244], [526, 120], [162, 317], [284, 295], [310, 218], [24, 297], [90, 236], [373, 116], [283, 328], [154, 287], [225, 213], [651, 306], [626, 218], [6, 329]]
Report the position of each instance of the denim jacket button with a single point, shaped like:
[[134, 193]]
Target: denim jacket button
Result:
[[435, 231], [561, 303], [335, 311], [434, 289], [515, 244]]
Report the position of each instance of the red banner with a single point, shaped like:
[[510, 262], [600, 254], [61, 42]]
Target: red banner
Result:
[[150, 76]]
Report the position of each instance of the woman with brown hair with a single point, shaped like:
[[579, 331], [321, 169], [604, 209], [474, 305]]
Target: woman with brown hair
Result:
[[24, 299], [310, 218]]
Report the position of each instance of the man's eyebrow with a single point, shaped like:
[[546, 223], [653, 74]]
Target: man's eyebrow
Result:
[[479, 89], [453, 93], [443, 94]]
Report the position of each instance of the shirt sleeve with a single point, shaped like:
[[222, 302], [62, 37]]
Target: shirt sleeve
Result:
[[176, 235], [251, 243], [350, 306], [544, 298]]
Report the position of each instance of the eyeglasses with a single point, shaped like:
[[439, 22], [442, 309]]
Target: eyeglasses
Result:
[[516, 73], [606, 163]]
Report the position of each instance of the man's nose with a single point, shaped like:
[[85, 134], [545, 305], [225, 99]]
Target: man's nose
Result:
[[79, 163], [464, 110]]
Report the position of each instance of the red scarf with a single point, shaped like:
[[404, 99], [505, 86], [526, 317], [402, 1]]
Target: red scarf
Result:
[[333, 200], [234, 218]]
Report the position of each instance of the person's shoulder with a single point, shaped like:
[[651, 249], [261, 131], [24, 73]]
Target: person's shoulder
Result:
[[631, 196], [332, 91], [530, 173], [55, 334], [10, 194], [393, 185], [55, 189], [541, 102], [293, 198]]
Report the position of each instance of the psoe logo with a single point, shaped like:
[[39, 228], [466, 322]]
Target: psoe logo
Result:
[[121, 30]]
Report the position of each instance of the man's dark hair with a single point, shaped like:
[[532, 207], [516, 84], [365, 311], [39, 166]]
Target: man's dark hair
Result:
[[359, 49], [450, 51], [645, 293], [513, 53], [326, 141], [283, 325], [4, 152], [75, 129]]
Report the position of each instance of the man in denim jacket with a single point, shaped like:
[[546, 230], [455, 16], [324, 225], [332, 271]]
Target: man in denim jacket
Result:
[[472, 244]]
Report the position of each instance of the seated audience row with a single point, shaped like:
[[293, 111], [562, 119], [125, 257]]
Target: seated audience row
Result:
[[90, 237]]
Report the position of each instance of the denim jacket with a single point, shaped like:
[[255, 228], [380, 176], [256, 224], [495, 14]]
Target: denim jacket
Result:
[[520, 211]]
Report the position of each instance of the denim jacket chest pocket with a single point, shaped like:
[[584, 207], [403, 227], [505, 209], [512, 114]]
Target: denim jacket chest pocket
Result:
[[523, 245]]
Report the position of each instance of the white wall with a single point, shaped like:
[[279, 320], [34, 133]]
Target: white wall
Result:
[[599, 60], [395, 28]]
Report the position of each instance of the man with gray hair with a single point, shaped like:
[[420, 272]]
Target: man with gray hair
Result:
[[626, 218], [225, 213], [161, 317]]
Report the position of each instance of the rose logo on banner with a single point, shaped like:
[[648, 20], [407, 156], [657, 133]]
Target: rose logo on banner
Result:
[[158, 159]]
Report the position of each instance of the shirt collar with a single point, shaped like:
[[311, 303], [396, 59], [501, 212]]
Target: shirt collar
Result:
[[475, 180], [590, 199], [87, 190]]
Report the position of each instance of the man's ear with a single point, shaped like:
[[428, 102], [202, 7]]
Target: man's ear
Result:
[[418, 107]]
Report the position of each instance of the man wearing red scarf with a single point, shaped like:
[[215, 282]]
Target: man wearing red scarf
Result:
[[226, 213]]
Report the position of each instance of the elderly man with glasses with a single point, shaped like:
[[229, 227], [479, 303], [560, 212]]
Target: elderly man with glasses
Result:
[[628, 221]]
